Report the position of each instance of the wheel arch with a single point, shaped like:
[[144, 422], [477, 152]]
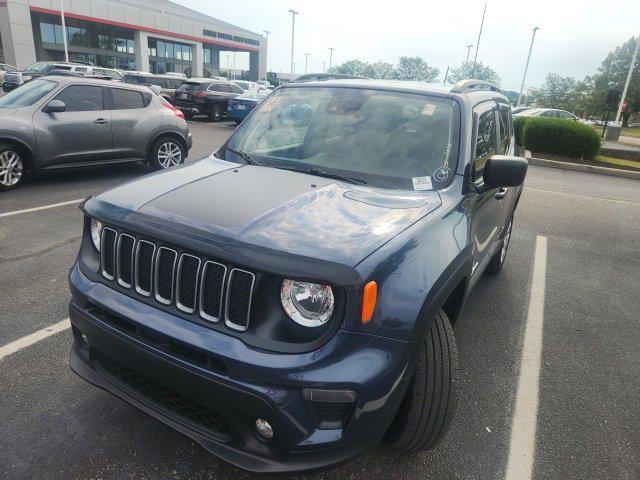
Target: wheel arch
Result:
[[168, 134], [29, 155]]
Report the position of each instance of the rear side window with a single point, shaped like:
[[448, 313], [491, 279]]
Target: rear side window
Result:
[[127, 99], [505, 131], [81, 69], [82, 98], [235, 88], [217, 87], [485, 142], [189, 87]]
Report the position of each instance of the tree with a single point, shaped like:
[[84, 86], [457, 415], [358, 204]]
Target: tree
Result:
[[466, 70], [415, 68], [557, 92], [408, 68], [352, 67], [614, 69]]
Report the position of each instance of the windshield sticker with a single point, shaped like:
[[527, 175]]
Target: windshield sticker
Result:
[[441, 174], [269, 103], [429, 109], [422, 183]]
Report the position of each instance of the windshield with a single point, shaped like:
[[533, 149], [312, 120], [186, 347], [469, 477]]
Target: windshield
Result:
[[389, 139], [192, 87], [40, 67], [27, 94]]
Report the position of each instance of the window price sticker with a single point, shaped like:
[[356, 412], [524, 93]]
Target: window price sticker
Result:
[[429, 109], [422, 183]]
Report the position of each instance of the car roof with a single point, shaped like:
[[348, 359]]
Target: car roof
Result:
[[465, 88], [65, 80], [151, 75]]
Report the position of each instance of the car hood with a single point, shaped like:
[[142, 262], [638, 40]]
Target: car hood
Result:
[[287, 211], [7, 112]]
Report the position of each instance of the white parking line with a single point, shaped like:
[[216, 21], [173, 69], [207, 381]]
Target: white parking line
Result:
[[523, 428], [35, 337], [35, 209]]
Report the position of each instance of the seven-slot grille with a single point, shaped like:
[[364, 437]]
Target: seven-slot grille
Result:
[[184, 280]]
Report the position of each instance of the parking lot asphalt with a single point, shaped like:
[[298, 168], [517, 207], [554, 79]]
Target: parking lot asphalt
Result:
[[54, 425]]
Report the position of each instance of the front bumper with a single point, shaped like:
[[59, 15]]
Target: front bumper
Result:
[[121, 345]]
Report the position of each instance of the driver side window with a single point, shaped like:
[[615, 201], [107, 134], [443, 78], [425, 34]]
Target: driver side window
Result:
[[485, 142], [82, 98]]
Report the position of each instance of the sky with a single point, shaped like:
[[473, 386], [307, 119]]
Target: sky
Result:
[[574, 36]]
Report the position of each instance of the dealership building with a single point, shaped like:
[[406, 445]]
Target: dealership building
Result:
[[146, 35]]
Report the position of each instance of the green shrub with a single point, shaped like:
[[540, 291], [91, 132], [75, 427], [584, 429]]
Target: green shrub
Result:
[[563, 137], [518, 125]]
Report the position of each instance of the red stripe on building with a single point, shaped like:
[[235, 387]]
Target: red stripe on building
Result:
[[137, 27]]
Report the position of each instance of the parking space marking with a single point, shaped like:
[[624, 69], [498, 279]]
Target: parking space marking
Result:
[[578, 195], [35, 337], [525, 418], [44, 207]]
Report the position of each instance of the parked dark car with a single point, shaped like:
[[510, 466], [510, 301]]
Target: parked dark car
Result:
[[64, 121], [168, 83], [18, 78], [241, 106], [287, 302], [205, 97]]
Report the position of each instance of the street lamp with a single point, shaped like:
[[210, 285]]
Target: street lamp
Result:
[[266, 50], [626, 84], [64, 32], [526, 67], [306, 60], [330, 56], [293, 30], [469, 47]]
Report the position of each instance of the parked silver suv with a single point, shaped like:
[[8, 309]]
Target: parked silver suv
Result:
[[57, 122]]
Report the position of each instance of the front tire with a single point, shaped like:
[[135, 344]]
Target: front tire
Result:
[[497, 261], [429, 405], [12, 168], [166, 152]]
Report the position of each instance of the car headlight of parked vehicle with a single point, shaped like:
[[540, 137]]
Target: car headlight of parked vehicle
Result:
[[96, 233], [307, 304]]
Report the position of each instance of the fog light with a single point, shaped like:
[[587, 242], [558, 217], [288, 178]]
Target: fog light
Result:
[[264, 429]]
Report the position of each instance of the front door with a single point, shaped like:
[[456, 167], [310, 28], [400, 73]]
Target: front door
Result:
[[487, 203], [82, 133]]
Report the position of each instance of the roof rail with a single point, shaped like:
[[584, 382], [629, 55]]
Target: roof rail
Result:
[[472, 85]]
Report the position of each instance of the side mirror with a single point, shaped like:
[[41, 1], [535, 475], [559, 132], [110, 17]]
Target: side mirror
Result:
[[54, 106], [504, 171]]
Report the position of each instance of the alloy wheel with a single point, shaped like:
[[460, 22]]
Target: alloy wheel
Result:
[[11, 168], [169, 155]]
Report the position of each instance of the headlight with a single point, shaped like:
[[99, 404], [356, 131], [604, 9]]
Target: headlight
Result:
[[96, 233], [308, 304]]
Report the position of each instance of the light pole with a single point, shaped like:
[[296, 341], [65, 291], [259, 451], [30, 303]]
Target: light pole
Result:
[[266, 50], [626, 85], [306, 60], [293, 30], [526, 67], [469, 47], [475, 58], [64, 32], [330, 56]]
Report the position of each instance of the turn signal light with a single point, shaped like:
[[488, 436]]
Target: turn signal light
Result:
[[369, 301]]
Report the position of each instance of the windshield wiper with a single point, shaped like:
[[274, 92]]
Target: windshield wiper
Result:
[[337, 176], [245, 156]]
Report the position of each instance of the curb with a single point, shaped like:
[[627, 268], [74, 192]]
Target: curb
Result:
[[614, 172]]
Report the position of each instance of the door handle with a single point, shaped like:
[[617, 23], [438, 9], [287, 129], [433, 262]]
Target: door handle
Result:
[[500, 193], [101, 121]]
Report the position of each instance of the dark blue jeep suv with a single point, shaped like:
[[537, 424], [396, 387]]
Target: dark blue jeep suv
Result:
[[287, 302]]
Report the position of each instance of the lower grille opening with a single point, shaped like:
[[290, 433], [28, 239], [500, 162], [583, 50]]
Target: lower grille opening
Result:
[[160, 341], [160, 396]]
